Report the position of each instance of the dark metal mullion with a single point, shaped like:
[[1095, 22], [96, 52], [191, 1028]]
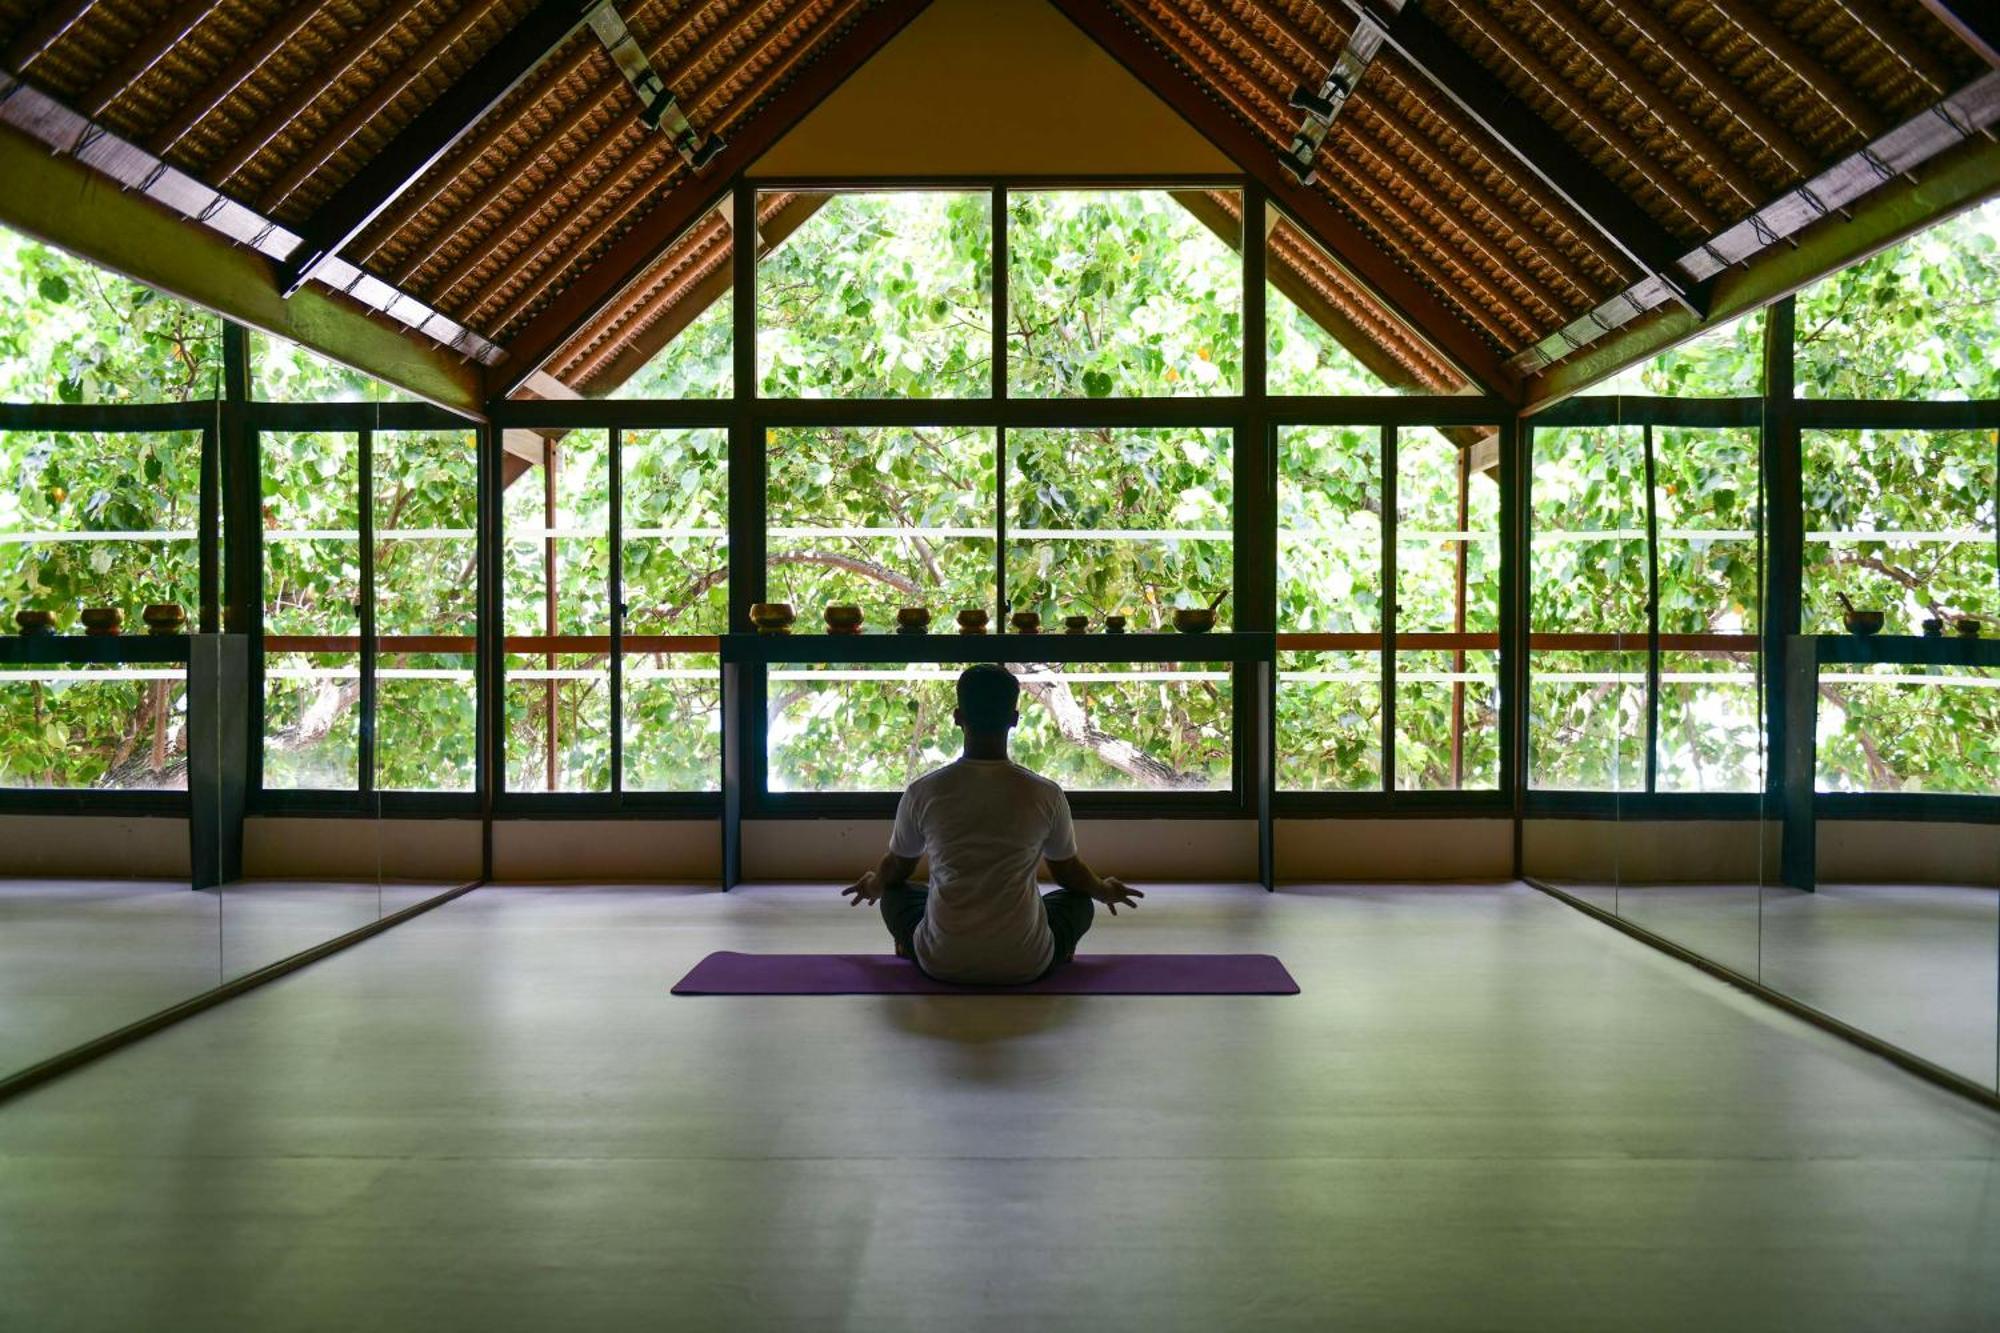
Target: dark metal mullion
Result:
[[489, 667], [1254, 552], [208, 547], [1784, 522], [365, 608], [744, 720], [1514, 561], [1652, 617], [1389, 448], [998, 319], [615, 577]]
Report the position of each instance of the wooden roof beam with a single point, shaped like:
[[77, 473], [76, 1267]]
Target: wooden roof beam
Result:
[[51, 28], [627, 259], [430, 137], [645, 155], [277, 35], [1258, 158], [1486, 102], [1703, 74], [273, 122], [1922, 195], [1974, 22], [69, 204], [1625, 72], [134, 64], [1514, 50]]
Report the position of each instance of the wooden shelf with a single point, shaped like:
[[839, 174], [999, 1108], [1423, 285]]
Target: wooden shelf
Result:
[[1906, 649], [1238, 646], [92, 650]]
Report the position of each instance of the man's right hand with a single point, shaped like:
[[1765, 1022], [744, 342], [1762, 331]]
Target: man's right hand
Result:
[[1114, 893]]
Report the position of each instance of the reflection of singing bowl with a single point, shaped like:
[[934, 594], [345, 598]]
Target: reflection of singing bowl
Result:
[[1114, 624], [1864, 623], [1194, 620], [772, 615], [1076, 624], [913, 617], [102, 620], [972, 620], [164, 618], [1969, 626], [843, 617], [1026, 622], [36, 622]]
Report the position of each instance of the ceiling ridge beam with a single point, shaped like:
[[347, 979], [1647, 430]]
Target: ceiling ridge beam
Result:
[[626, 259], [1387, 281], [428, 139]]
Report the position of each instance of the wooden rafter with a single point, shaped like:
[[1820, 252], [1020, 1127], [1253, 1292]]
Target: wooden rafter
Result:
[[132, 66], [276, 36]]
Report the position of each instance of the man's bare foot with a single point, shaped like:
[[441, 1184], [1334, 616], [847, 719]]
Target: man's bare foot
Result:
[[905, 951]]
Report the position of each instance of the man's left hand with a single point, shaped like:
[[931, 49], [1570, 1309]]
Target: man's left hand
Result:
[[867, 889]]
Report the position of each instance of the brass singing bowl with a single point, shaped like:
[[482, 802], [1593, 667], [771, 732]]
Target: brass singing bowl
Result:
[[35, 622], [1864, 623], [164, 617], [913, 617], [972, 617], [1026, 622], [1194, 620], [843, 617], [1076, 624], [771, 615]]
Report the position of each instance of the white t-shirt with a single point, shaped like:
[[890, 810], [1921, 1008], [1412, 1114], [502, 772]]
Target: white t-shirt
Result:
[[986, 824]]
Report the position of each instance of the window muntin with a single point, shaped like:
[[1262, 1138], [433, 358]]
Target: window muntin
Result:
[[1919, 321], [1119, 294], [880, 296]]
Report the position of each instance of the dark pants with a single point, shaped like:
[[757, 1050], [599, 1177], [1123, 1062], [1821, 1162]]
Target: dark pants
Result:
[[1069, 914]]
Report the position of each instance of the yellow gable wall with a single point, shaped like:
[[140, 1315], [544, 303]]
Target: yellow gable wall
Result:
[[1003, 87]]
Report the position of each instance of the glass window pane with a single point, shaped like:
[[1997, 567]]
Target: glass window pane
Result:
[[312, 617], [1120, 294], [72, 332], [881, 518], [1330, 701], [426, 614], [851, 728], [1158, 726], [99, 519], [676, 571], [698, 361], [1901, 521], [556, 584], [1892, 728], [880, 296], [1119, 521], [1723, 362], [1917, 321], [1326, 336], [1587, 721], [1711, 722], [118, 728], [1709, 517], [285, 372]]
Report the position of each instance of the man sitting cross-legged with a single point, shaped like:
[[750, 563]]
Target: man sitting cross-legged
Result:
[[986, 823]]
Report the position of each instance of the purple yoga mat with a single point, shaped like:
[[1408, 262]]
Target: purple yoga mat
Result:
[[885, 974]]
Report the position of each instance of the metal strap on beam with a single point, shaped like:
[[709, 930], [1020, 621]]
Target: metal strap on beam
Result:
[[1322, 105], [426, 140], [658, 109]]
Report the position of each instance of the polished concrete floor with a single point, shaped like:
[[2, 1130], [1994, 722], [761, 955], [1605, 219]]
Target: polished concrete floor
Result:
[[1485, 1111], [79, 958]]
